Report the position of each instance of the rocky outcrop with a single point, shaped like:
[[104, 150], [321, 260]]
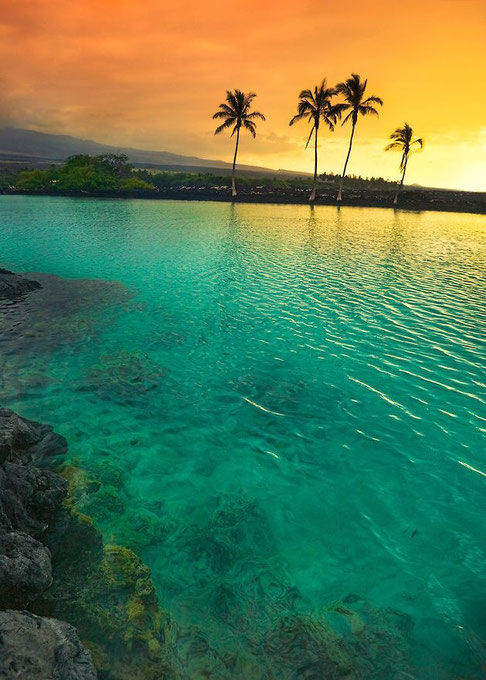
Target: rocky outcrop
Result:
[[35, 648], [24, 441], [25, 569], [13, 285], [29, 499], [53, 562]]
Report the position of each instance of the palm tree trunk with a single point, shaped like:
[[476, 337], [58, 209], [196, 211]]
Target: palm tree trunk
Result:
[[340, 193], [233, 183], [395, 200], [312, 197]]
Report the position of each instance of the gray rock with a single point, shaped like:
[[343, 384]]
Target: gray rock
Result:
[[30, 498], [25, 569], [25, 441], [13, 285], [37, 648]]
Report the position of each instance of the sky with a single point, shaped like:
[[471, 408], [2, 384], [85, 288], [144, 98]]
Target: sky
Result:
[[150, 74]]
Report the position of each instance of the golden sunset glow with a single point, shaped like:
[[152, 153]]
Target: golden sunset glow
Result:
[[151, 74]]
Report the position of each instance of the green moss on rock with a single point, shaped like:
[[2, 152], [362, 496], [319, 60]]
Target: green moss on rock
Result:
[[108, 595]]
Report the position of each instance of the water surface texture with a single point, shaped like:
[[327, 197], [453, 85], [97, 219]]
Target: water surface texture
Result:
[[288, 406]]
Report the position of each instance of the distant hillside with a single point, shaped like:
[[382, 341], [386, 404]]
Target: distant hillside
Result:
[[38, 148]]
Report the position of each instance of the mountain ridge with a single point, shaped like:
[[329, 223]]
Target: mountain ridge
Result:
[[21, 144]]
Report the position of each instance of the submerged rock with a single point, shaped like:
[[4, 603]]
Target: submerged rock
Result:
[[66, 311], [123, 375], [14, 285], [35, 648]]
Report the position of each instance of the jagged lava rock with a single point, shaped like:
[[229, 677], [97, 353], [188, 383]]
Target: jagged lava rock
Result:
[[24, 441], [36, 648], [29, 499]]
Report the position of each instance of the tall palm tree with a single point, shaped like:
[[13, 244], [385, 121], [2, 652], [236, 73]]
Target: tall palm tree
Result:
[[402, 141], [236, 113], [353, 90], [316, 106]]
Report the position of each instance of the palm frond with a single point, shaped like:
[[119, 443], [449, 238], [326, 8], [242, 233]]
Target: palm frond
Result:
[[367, 111], [255, 114], [373, 100], [350, 115], [296, 118], [250, 127], [224, 126], [353, 90], [236, 111], [231, 98], [310, 136], [315, 106], [338, 109], [223, 114]]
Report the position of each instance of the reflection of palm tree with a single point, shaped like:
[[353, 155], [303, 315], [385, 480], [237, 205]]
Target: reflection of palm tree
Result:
[[236, 113], [402, 141], [316, 106], [353, 90]]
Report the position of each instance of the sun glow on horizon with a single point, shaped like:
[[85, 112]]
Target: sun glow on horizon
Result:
[[151, 76]]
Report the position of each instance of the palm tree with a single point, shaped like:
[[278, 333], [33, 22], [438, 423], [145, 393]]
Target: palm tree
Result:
[[353, 91], [316, 106], [236, 114], [402, 141]]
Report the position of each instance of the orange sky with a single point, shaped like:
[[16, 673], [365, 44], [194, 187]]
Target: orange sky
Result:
[[151, 73]]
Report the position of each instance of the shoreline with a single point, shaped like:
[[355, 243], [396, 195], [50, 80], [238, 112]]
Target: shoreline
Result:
[[415, 201]]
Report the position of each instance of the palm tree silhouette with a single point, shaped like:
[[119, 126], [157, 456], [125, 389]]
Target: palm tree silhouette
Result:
[[236, 113], [353, 90], [316, 106], [402, 141]]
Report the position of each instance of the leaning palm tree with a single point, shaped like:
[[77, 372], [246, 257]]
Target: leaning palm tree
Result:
[[402, 141], [316, 106], [353, 90], [236, 113]]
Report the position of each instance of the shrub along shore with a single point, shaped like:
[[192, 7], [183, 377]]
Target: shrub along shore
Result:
[[111, 176]]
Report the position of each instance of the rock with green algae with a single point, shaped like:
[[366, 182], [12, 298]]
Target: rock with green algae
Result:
[[107, 594], [139, 528], [306, 646], [100, 494]]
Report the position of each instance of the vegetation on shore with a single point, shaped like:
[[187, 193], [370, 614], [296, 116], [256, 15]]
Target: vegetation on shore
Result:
[[110, 174]]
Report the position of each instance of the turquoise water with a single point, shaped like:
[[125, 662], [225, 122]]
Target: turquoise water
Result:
[[317, 376]]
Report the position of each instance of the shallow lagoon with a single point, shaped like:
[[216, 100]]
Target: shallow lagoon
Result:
[[287, 405]]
